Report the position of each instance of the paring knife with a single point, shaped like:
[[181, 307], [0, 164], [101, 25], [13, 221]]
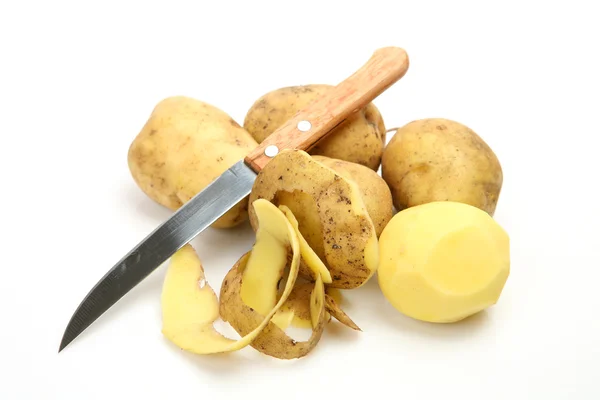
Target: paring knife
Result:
[[386, 66]]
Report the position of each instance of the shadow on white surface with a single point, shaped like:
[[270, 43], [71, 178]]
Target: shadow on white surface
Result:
[[217, 364], [339, 332], [373, 310]]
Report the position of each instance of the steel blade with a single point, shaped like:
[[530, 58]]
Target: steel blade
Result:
[[185, 224]]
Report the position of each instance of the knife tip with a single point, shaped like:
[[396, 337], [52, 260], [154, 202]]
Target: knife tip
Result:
[[66, 339]]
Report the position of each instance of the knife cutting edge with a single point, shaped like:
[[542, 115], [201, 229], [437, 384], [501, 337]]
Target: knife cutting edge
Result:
[[386, 66]]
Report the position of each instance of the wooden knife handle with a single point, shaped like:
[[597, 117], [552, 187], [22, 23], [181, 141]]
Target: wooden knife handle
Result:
[[386, 66]]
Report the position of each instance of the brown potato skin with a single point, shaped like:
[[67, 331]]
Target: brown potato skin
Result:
[[437, 159], [272, 340], [360, 139], [184, 145], [331, 215], [374, 190]]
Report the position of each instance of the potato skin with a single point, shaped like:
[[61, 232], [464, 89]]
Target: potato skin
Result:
[[375, 192], [437, 159], [360, 139], [331, 215], [183, 146]]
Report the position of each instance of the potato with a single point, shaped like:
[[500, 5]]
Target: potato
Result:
[[441, 160], [183, 146], [332, 215], [248, 299], [443, 261], [374, 190], [359, 139]]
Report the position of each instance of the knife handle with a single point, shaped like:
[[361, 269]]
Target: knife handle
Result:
[[386, 66]]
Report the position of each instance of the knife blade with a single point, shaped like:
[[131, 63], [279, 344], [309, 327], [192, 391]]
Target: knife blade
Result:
[[187, 222], [304, 130]]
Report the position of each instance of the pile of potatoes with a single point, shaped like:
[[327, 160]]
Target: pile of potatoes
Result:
[[326, 221]]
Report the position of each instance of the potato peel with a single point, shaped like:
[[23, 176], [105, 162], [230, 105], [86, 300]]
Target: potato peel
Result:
[[271, 340], [189, 310], [334, 309], [309, 257], [297, 313], [190, 306], [250, 287], [298, 305], [344, 233]]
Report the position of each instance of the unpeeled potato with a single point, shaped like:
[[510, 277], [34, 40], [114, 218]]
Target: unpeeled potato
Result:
[[184, 145], [359, 139], [437, 159]]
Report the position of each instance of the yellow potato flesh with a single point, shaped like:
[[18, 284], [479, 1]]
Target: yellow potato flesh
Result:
[[297, 312], [443, 261], [297, 307], [309, 256], [189, 305]]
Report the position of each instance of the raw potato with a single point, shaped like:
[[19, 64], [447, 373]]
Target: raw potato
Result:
[[360, 139], [374, 190], [184, 146], [441, 160], [190, 306], [443, 261], [333, 218]]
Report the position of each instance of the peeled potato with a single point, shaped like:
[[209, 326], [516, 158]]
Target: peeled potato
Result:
[[443, 261]]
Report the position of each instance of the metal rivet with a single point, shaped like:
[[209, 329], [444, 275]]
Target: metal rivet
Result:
[[304, 126], [271, 151]]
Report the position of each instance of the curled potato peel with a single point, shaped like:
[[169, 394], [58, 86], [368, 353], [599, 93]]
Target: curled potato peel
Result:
[[248, 298], [296, 310], [330, 211], [333, 308], [309, 257], [189, 309]]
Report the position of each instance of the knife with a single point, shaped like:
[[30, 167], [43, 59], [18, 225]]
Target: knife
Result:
[[386, 66]]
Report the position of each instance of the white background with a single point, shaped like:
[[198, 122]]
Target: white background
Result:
[[79, 79]]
